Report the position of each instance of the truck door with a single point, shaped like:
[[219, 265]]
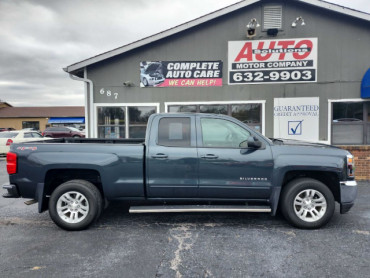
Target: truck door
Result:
[[171, 158], [227, 169]]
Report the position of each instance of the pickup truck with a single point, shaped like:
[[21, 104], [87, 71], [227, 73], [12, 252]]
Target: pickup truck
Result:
[[186, 163]]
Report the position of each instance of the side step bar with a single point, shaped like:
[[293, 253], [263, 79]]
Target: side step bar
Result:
[[198, 208]]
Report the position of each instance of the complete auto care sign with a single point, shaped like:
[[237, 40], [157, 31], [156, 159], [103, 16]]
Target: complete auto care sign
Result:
[[273, 61], [180, 73]]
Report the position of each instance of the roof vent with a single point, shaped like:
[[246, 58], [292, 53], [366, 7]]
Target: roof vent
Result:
[[272, 17]]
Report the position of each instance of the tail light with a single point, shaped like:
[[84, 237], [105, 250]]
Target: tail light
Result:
[[11, 163], [43, 133], [350, 166], [9, 142]]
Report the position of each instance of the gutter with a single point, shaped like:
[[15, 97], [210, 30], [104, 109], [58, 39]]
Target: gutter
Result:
[[89, 88]]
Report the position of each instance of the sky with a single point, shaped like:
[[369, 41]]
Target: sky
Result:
[[40, 37]]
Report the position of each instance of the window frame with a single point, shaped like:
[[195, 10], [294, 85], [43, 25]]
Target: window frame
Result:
[[364, 123], [236, 102], [124, 105]]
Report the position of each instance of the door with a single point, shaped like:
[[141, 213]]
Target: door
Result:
[[227, 168], [171, 158]]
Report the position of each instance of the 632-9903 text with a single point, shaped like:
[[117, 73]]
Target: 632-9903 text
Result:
[[272, 76]]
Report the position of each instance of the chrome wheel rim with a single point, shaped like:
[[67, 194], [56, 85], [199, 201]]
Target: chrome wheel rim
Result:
[[72, 207], [310, 205]]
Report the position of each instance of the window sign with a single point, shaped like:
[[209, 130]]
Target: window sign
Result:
[[296, 118], [272, 61]]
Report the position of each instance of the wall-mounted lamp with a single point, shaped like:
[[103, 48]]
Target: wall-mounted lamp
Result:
[[294, 23], [128, 84], [251, 28]]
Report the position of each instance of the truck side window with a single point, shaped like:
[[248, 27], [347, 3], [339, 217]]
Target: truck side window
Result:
[[218, 133], [174, 132]]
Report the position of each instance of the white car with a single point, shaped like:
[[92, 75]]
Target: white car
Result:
[[152, 74], [18, 136]]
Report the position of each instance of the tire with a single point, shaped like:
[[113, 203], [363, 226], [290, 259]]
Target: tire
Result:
[[76, 136], [145, 82], [80, 205], [307, 203]]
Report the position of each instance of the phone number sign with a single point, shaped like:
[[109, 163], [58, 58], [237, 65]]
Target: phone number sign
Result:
[[272, 61]]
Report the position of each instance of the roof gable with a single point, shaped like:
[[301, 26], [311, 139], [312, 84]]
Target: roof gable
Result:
[[203, 19]]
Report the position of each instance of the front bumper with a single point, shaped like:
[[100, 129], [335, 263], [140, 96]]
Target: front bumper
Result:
[[348, 194], [12, 191]]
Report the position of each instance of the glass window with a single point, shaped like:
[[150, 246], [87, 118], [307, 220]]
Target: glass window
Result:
[[111, 122], [36, 135], [174, 132], [138, 119], [27, 135], [182, 108], [5, 134], [214, 109], [31, 124], [350, 123], [347, 112], [218, 133], [249, 114]]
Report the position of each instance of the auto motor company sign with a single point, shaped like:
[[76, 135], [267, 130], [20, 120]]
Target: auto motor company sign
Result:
[[272, 61]]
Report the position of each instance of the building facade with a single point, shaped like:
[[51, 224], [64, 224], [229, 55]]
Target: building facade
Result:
[[289, 69], [40, 118]]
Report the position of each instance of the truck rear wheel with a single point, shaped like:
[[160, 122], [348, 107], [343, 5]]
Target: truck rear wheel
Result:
[[75, 205], [307, 203]]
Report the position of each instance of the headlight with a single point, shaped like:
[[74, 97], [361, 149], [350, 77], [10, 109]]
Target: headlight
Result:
[[350, 166]]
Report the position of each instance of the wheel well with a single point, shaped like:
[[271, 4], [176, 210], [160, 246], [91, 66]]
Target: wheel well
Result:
[[330, 179], [56, 177]]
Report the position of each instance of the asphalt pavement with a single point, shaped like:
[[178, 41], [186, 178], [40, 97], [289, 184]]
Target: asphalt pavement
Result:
[[182, 245]]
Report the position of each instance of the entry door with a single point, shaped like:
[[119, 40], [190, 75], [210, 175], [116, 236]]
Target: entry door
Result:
[[172, 160], [226, 170]]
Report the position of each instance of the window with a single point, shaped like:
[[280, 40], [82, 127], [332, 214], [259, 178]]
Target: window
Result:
[[138, 118], [351, 123], [250, 113], [124, 121], [27, 135], [174, 132], [8, 134], [111, 122], [31, 124], [218, 133], [36, 135], [182, 108]]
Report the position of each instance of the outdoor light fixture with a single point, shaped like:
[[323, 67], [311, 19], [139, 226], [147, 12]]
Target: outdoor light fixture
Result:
[[294, 23], [251, 28]]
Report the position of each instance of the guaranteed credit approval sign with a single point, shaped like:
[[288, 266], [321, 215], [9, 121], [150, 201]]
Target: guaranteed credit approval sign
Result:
[[272, 61]]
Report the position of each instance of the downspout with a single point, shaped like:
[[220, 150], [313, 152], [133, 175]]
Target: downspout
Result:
[[89, 110]]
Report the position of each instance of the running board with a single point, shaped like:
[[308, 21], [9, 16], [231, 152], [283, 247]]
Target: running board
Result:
[[198, 208]]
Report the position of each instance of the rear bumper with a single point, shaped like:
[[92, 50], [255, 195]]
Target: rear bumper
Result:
[[348, 194], [12, 191]]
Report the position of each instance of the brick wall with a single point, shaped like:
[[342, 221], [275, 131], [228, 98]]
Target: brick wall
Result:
[[362, 160]]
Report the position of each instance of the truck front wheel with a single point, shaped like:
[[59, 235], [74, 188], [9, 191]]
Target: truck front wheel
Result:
[[75, 205], [307, 203]]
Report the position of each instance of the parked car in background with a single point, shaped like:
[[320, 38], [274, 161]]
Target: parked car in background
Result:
[[17, 136], [6, 129], [63, 131]]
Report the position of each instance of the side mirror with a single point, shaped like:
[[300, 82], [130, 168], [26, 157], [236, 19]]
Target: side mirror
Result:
[[253, 143]]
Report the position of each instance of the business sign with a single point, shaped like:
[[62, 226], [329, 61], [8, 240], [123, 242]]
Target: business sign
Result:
[[272, 61], [180, 74], [297, 118]]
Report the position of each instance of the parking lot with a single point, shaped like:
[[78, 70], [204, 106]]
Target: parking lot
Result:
[[182, 245]]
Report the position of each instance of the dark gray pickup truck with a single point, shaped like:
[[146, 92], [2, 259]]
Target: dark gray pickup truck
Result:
[[186, 163]]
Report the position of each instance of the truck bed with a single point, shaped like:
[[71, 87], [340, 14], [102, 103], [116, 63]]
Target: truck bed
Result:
[[94, 140]]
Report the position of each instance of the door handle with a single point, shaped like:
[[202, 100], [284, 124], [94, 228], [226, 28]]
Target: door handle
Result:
[[160, 155], [209, 156]]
